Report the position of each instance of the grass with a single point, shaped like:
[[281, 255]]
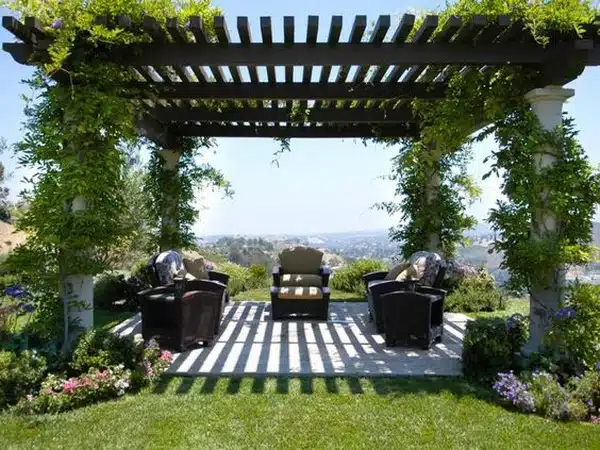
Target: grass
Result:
[[513, 306], [109, 319], [237, 413], [265, 295]]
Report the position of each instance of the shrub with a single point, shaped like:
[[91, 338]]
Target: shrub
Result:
[[349, 278], [108, 288], [239, 277], [492, 345], [474, 294], [555, 401], [101, 349], [573, 340], [8, 280], [19, 375], [258, 277], [59, 393]]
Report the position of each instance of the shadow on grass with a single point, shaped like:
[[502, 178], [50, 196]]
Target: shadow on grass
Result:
[[306, 385]]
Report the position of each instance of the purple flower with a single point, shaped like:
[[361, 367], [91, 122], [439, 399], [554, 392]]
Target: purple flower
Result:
[[514, 391], [58, 23], [17, 292], [598, 366], [152, 344], [132, 161], [565, 313], [26, 307], [188, 25]]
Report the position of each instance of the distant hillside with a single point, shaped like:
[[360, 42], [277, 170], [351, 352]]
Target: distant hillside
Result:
[[9, 239]]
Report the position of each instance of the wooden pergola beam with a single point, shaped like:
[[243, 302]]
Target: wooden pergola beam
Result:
[[325, 131], [288, 91], [331, 115], [320, 54]]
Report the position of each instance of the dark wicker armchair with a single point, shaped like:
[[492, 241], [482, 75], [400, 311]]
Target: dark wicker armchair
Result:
[[300, 285], [184, 313], [213, 275], [380, 283], [413, 317]]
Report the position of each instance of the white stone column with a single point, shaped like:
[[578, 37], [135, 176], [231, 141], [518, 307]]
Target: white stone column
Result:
[[547, 104], [169, 215], [432, 191], [77, 291]]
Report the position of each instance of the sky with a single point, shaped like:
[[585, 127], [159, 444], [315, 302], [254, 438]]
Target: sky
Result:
[[322, 185]]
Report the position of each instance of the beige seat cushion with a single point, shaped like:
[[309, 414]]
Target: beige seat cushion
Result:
[[396, 270], [297, 279], [301, 293], [301, 260], [410, 273], [196, 267]]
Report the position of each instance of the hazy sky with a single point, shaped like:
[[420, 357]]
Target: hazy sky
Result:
[[323, 184]]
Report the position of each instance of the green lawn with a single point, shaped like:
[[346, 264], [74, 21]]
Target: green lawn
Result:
[[513, 306], [222, 413], [265, 295], [109, 319]]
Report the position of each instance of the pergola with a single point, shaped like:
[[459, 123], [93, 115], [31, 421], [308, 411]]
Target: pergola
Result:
[[363, 89], [181, 70]]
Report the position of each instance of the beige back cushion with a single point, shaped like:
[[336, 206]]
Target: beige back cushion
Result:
[[196, 268], [301, 260], [395, 271]]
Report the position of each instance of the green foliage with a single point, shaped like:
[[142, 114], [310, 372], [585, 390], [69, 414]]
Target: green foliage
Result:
[[476, 294], [492, 345], [108, 288], [571, 188], [239, 280], [101, 349], [349, 278], [78, 138], [170, 193], [19, 375], [441, 212], [258, 277], [574, 339], [555, 401]]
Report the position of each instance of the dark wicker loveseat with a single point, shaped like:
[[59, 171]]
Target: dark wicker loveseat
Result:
[[184, 313], [380, 283], [300, 285]]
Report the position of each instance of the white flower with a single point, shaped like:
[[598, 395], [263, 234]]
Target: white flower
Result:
[[121, 366]]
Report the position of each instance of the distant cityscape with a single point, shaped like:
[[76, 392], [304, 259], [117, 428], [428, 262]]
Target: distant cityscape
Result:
[[342, 247]]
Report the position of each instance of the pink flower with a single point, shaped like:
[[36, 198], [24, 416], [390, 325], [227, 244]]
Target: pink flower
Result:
[[148, 368], [595, 419], [70, 385], [166, 355], [49, 391], [102, 374]]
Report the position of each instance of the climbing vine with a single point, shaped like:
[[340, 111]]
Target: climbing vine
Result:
[[163, 186], [77, 136], [474, 98], [569, 190]]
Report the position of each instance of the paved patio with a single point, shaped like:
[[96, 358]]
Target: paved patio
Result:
[[347, 344]]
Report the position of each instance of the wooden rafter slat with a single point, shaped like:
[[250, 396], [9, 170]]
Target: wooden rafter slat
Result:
[[422, 35], [358, 30], [35, 28], [289, 91], [243, 27], [377, 36], [335, 30], [267, 39], [312, 30], [404, 28], [331, 115], [288, 40], [352, 131], [224, 40]]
